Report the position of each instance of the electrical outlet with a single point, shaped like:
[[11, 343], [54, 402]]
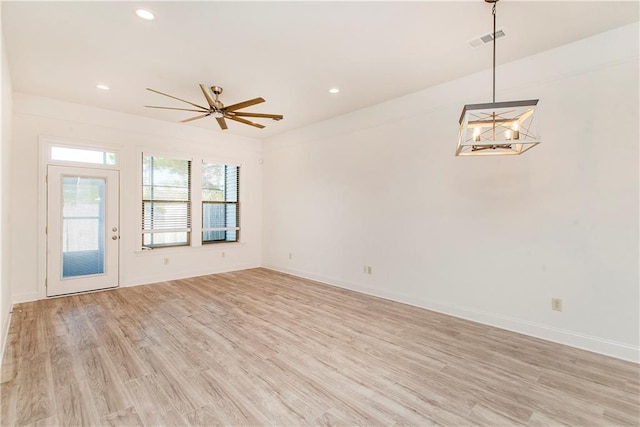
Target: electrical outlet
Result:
[[166, 261], [369, 269], [290, 255], [223, 254], [556, 304]]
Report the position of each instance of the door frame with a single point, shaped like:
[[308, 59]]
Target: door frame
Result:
[[45, 143]]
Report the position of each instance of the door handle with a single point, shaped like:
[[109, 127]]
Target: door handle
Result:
[[114, 237]]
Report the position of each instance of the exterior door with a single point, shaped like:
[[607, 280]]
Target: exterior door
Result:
[[82, 229]]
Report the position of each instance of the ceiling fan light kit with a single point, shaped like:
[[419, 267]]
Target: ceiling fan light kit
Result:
[[217, 110], [497, 128]]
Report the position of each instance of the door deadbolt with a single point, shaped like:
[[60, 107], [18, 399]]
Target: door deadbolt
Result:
[[114, 229]]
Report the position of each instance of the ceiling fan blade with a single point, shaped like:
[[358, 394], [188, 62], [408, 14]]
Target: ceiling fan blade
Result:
[[222, 123], [246, 122], [244, 104], [208, 94], [171, 96], [195, 118], [266, 116], [181, 109]]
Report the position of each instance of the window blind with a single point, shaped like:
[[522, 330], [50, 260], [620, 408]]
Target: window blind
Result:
[[166, 201], [220, 203]]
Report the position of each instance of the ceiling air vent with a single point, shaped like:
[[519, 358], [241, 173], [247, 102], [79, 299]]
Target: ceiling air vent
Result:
[[486, 38]]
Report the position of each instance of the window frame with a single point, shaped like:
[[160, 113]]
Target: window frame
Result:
[[54, 142], [188, 203], [223, 202]]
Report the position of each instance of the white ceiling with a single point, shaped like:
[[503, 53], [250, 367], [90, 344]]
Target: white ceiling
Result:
[[290, 53]]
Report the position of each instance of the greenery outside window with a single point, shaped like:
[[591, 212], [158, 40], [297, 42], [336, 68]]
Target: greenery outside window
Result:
[[220, 203], [166, 201]]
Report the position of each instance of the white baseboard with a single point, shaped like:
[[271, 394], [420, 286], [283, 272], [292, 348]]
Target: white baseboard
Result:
[[164, 277], [561, 336]]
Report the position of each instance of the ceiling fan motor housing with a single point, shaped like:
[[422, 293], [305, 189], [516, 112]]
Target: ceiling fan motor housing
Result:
[[217, 90]]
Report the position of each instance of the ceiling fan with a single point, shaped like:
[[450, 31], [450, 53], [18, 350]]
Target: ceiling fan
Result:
[[218, 110]]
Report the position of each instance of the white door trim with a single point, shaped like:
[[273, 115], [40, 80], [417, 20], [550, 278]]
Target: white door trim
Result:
[[44, 143]]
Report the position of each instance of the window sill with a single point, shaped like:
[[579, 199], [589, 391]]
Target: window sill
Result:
[[208, 247]]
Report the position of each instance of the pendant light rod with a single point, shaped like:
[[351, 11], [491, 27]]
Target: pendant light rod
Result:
[[493, 11]]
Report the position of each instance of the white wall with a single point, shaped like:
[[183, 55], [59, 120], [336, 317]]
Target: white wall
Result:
[[5, 197], [35, 117], [490, 239]]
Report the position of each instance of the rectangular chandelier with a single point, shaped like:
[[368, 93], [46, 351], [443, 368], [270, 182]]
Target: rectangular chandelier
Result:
[[497, 128]]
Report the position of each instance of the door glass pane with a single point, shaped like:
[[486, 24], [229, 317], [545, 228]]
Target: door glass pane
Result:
[[83, 228]]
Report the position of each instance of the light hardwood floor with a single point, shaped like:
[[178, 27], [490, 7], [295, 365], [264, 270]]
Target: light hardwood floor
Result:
[[258, 347]]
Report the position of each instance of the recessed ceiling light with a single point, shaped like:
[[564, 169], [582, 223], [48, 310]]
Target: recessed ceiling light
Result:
[[334, 90], [145, 14], [103, 87]]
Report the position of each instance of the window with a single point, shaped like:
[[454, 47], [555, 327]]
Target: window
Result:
[[220, 206], [166, 201], [82, 155], [169, 194]]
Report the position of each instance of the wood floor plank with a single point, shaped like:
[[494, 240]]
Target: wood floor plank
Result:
[[108, 393], [9, 371], [503, 396], [32, 341], [170, 419], [225, 400], [239, 389], [35, 390], [8, 402], [74, 405], [206, 416], [65, 368], [259, 347], [480, 415], [581, 389], [173, 382], [432, 400], [148, 398], [400, 410], [334, 417], [127, 363], [12, 348], [613, 417], [304, 400], [544, 420], [125, 417], [80, 334], [46, 422]]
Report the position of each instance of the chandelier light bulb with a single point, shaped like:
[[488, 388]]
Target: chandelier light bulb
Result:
[[476, 134]]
